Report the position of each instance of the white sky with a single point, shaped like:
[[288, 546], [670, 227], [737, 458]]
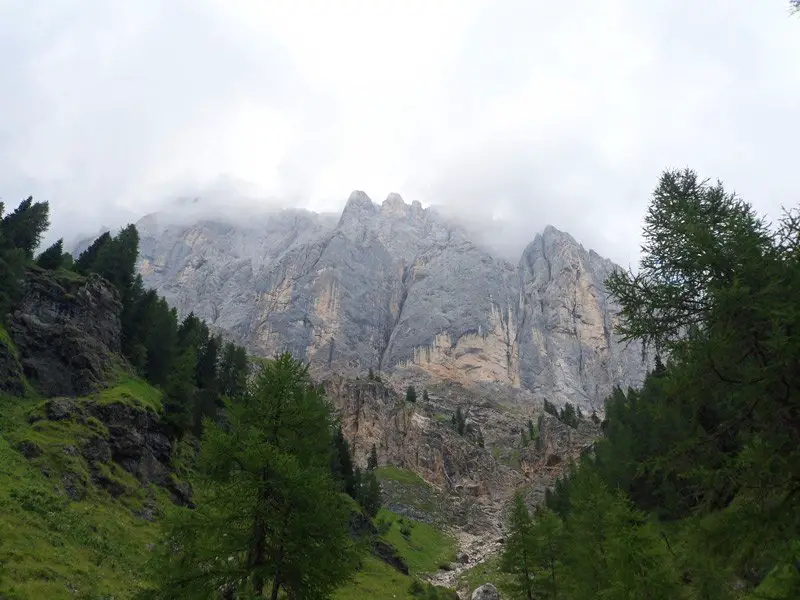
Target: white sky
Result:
[[543, 112]]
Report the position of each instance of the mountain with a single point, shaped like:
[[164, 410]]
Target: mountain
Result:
[[398, 289]]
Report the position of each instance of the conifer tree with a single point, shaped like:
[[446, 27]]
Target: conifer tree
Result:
[[269, 519], [87, 258], [23, 228], [372, 462], [52, 258], [518, 558], [411, 394]]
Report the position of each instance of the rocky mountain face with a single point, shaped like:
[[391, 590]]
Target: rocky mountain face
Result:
[[66, 331], [397, 289]]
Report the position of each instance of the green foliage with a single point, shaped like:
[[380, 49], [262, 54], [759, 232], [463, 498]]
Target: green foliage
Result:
[[20, 233], [342, 464], [411, 394], [368, 492], [53, 257], [459, 421], [518, 554], [269, 515], [569, 416], [23, 229], [372, 463], [425, 396], [706, 455], [550, 408]]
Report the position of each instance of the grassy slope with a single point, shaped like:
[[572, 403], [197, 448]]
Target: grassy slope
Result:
[[53, 547], [424, 549]]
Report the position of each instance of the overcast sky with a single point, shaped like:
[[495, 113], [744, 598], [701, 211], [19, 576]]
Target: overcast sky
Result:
[[540, 112]]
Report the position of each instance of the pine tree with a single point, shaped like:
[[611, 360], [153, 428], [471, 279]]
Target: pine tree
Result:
[[425, 397], [23, 228], [411, 394], [233, 370], [342, 464], [114, 258], [518, 557], [180, 390], [459, 421], [87, 258], [372, 462], [53, 257], [548, 548], [369, 496], [550, 408], [269, 519]]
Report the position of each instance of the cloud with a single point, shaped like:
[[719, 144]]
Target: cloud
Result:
[[532, 112]]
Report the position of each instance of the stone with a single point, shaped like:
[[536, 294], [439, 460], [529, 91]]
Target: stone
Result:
[[463, 558], [66, 331], [486, 592], [29, 449], [399, 289]]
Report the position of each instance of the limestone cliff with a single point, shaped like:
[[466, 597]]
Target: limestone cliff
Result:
[[398, 289]]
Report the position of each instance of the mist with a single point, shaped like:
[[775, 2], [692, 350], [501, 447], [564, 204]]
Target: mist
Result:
[[511, 116]]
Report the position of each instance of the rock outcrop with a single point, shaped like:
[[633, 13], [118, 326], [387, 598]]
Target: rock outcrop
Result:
[[112, 435], [398, 289], [486, 592], [66, 332]]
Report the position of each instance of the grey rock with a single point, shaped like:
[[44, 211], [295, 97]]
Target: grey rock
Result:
[[398, 289], [29, 449], [66, 331], [60, 409], [486, 592]]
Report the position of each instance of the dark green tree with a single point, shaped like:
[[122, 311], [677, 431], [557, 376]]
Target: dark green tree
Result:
[[115, 259], [550, 408], [342, 464], [88, 257], [372, 462], [459, 421], [568, 416], [411, 394], [23, 228], [233, 370], [425, 396], [269, 518], [53, 257], [518, 557]]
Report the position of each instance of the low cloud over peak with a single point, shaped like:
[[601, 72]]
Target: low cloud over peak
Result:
[[509, 115]]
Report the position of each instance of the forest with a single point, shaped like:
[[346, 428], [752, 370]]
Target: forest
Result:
[[694, 489]]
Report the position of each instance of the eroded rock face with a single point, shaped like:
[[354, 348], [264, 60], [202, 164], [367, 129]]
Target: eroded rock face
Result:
[[394, 287], [405, 436], [66, 331]]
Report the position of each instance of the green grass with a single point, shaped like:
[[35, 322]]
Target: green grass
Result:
[[424, 548], [374, 581], [399, 475], [131, 391], [6, 340], [50, 545]]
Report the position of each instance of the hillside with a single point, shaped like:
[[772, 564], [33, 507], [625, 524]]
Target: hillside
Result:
[[90, 465]]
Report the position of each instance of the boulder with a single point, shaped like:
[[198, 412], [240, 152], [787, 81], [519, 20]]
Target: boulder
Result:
[[486, 592]]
